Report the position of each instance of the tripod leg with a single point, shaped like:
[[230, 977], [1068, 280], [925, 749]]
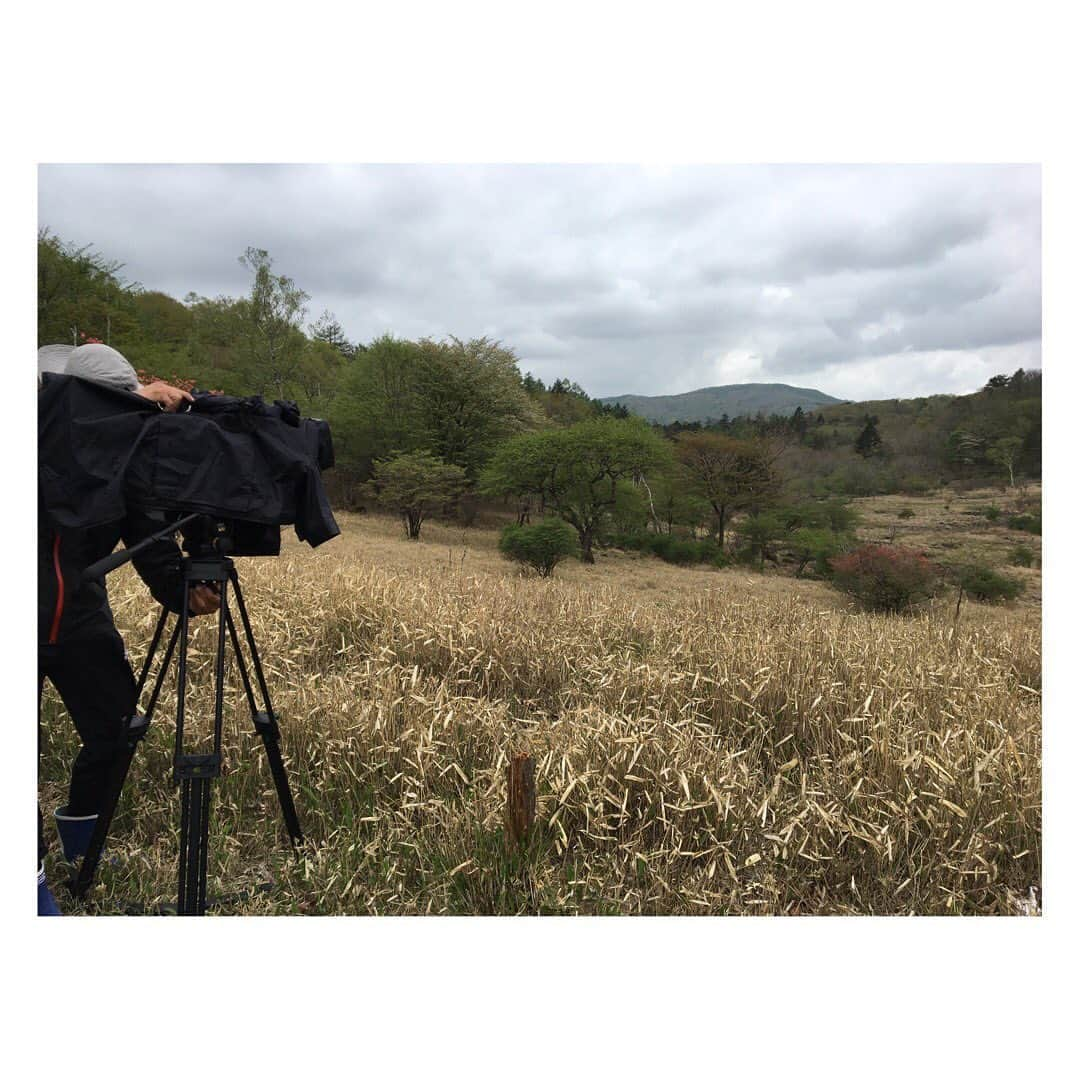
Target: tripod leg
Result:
[[137, 727], [265, 721], [195, 773], [267, 726], [194, 835]]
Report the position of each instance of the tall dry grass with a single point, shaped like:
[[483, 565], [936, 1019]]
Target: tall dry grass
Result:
[[706, 743]]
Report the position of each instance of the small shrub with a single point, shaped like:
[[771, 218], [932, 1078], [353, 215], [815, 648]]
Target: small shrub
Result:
[[1022, 556], [863, 478], [986, 585], [685, 552], [744, 556], [885, 577], [659, 544], [681, 550], [632, 541], [542, 546], [906, 513], [674, 549], [916, 485], [992, 513], [1029, 523]]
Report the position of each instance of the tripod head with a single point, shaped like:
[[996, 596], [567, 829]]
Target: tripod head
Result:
[[204, 537]]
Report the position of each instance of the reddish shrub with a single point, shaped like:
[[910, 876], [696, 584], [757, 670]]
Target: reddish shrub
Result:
[[885, 577]]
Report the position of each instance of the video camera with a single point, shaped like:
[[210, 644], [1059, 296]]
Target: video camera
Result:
[[241, 461]]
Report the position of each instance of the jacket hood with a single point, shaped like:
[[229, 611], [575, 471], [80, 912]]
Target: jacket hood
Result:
[[103, 365]]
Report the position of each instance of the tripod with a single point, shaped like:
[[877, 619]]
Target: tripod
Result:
[[195, 772]]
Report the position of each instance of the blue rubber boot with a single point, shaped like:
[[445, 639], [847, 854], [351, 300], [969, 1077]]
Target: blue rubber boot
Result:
[[46, 905], [75, 833]]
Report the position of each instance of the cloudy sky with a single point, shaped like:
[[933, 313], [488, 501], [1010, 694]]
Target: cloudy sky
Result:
[[862, 281]]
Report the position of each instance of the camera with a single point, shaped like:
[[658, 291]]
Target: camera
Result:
[[243, 462]]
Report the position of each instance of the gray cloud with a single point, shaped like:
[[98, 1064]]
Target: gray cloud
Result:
[[862, 281]]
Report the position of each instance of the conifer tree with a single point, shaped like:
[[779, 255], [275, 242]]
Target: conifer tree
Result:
[[869, 441]]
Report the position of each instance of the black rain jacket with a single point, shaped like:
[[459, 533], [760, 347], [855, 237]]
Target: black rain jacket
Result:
[[68, 606]]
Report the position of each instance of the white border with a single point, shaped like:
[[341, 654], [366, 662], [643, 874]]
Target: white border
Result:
[[554, 82]]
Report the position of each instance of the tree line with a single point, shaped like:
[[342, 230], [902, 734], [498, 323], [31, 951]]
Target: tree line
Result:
[[427, 426]]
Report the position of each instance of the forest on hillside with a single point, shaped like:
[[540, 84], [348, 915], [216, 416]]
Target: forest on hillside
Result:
[[437, 426]]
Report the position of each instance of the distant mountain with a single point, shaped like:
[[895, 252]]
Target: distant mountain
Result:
[[712, 402]]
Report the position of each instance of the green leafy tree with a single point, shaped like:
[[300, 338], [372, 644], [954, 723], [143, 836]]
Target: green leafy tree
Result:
[[317, 373], [671, 501], [457, 399], [577, 471], [758, 534], [567, 403], [273, 316], [162, 319], [629, 513], [728, 474], [216, 343], [812, 531], [470, 398], [81, 295], [377, 409], [839, 515], [416, 485], [814, 545], [835, 514]]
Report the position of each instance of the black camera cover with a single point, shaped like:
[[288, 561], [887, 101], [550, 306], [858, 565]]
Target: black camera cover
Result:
[[102, 450]]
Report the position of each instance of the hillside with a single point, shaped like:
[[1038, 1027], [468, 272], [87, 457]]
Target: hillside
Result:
[[713, 402]]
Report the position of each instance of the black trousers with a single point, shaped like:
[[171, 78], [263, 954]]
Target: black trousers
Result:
[[94, 680]]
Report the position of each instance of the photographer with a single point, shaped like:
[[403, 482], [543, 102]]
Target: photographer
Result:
[[79, 648]]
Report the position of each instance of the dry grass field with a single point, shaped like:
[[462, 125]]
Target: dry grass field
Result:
[[706, 741]]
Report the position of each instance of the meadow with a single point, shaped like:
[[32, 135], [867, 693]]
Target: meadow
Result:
[[706, 741]]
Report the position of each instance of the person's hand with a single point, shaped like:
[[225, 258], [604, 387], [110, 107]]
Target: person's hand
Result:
[[170, 398], [203, 600]]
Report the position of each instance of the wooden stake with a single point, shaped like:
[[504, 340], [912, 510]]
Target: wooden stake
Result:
[[520, 797], [956, 615]]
